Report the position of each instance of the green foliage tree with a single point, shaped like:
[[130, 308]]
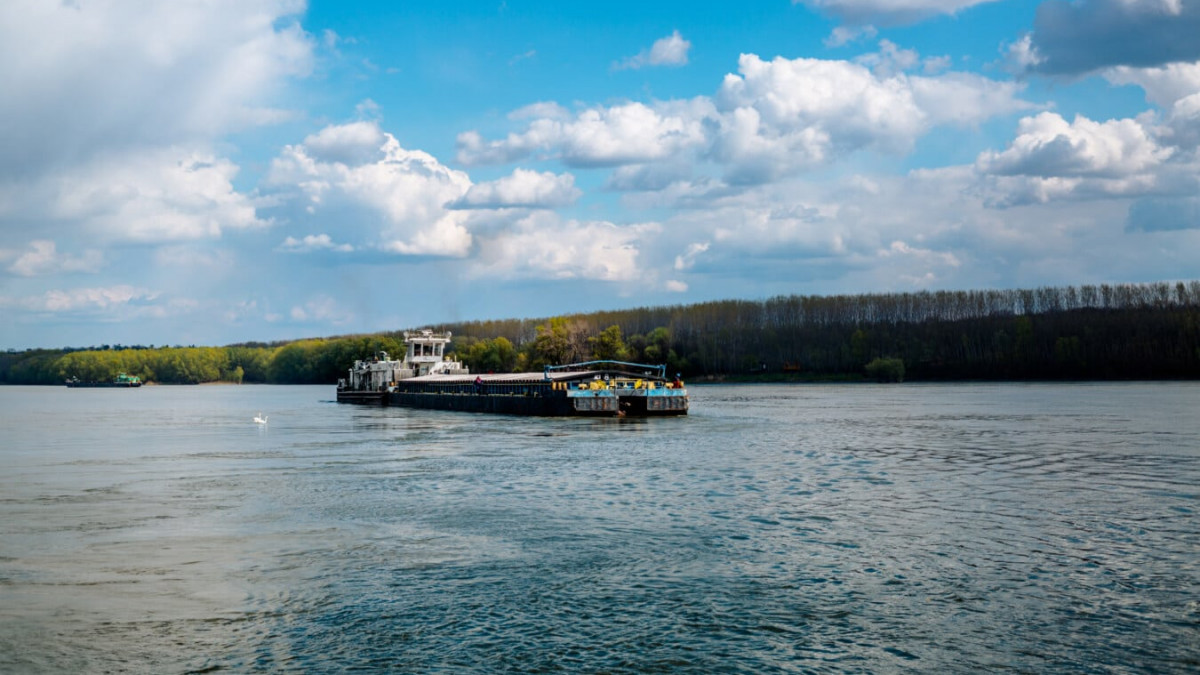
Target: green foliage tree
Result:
[[886, 369], [295, 363], [552, 346], [609, 345], [491, 356]]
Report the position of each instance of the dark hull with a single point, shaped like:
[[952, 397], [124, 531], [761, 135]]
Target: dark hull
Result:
[[103, 385], [543, 406], [367, 397]]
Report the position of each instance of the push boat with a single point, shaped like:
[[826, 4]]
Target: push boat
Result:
[[121, 381], [424, 378]]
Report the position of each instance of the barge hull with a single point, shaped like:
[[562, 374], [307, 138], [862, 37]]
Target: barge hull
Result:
[[545, 406], [364, 397]]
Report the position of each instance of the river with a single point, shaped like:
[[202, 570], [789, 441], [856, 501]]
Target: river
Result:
[[806, 528]]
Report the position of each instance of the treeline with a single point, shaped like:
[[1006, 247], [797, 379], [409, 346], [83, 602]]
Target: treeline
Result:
[[1124, 331], [318, 361], [1117, 331]]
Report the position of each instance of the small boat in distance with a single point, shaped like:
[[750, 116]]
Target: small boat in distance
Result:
[[424, 379], [121, 381]]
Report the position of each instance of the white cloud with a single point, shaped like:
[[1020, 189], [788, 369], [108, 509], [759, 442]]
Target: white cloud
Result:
[[1049, 146], [543, 245], [43, 258], [146, 195], [1021, 55], [1163, 85], [522, 189], [687, 259], [888, 12], [671, 50], [313, 242], [789, 114], [351, 144], [926, 256], [81, 299], [770, 119], [1183, 123], [676, 286], [804, 102], [965, 99], [403, 195], [102, 76], [1053, 160], [621, 134]]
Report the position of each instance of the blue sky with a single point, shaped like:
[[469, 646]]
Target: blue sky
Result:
[[215, 172]]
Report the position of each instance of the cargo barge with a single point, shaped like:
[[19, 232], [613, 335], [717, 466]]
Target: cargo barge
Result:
[[425, 379]]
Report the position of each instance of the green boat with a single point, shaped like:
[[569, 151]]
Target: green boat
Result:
[[121, 381]]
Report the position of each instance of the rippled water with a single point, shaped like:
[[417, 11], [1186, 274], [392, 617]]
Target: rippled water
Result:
[[922, 528]]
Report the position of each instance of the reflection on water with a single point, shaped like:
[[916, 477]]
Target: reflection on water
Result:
[[923, 528]]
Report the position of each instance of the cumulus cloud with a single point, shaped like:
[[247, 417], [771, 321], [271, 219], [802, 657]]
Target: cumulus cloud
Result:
[[789, 114], [671, 50], [1053, 160], [1164, 85], [544, 246], [43, 258], [144, 195], [804, 107], [621, 134], [401, 196], [1183, 123], [103, 76], [888, 12], [769, 119], [1072, 38], [522, 189], [351, 144], [1048, 146]]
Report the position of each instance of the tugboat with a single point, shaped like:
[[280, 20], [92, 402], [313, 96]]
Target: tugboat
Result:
[[424, 379], [121, 381]]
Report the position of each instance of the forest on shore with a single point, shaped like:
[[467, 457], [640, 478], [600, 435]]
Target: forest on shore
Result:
[[1094, 332]]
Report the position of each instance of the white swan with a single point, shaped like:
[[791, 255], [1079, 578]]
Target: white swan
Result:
[[260, 418]]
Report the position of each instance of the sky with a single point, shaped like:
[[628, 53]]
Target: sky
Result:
[[221, 171]]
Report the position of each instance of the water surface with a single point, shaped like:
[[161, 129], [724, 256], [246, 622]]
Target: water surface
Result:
[[814, 528]]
